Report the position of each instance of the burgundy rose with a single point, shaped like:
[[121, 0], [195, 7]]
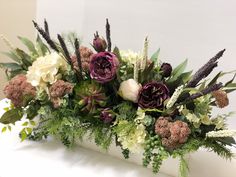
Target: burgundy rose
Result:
[[107, 115], [103, 67], [153, 95], [166, 68]]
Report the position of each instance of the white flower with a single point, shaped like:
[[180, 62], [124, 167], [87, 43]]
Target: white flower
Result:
[[129, 90], [175, 96], [129, 56], [221, 133], [45, 69], [134, 139]]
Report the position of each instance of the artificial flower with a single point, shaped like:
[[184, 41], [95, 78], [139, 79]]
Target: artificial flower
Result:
[[129, 90], [103, 67], [44, 70], [166, 69], [19, 91], [130, 57], [107, 115], [221, 133], [152, 95], [221, 98], [99, 44]]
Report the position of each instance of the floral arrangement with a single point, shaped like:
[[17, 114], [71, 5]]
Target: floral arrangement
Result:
[[108, 95]]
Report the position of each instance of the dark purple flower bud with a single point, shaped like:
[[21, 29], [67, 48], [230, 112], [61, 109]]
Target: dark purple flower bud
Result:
[[107, 116], [99, 44], [103, 67], [153, 95], [166, 69]]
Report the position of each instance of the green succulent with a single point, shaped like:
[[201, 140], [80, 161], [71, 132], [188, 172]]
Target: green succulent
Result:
[[90, 96]]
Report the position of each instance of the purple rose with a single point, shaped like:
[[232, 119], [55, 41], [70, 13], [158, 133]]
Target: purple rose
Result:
[[103, 67], [107, 115], [166, 69], [152, 95]]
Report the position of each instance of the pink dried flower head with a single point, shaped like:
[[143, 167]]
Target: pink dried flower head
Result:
[[162, 126], [19, 91], [59, 89], [173, 134], [221, 98], [85, 54]]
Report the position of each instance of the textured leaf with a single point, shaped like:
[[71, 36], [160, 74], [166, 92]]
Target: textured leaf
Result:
[[41, 47], [116, 51], [28, 44], [12, 56], [12, 66], [155, 57], [11, 116]]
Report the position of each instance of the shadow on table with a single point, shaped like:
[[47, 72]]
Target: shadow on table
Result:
[[99, 162]]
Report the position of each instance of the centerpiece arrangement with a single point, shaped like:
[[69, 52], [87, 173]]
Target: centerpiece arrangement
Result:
[[107, 95]]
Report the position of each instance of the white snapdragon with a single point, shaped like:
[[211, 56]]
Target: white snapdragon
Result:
[[221, 133], [175, 96]]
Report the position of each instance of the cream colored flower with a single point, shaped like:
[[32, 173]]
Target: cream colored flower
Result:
[[129, 90], [129, 56], [44, 70], [221, 133], [134, 139]]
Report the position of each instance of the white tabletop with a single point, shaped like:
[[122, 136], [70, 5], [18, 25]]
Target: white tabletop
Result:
[[51, 159]]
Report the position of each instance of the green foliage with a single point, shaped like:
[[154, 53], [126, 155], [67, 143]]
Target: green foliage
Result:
[[155, 58], [183, 167], [11, 116], [154, 153], [218, 147], [125, 111], [125, 153]]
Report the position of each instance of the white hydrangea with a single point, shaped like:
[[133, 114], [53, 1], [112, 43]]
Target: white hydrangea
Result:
[[45, 69], [129, 56], [134, 139]]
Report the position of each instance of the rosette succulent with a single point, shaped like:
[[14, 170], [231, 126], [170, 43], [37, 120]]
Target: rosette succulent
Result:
[[152, 95], [103, 67], [90, 96]]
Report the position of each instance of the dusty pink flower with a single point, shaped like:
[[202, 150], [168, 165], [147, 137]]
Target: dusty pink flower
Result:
[[173, 134], [59, 89], [19, 91], [85, 54]]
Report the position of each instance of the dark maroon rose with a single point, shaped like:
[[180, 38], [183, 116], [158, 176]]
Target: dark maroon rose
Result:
[[99, 44], [152, 95], [107, 115], [166, 69], [103, 67]]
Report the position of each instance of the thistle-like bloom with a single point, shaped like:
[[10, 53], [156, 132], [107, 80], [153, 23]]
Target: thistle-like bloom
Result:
[[103, 67], [59, 89], [152, 95], [221, 98], [129, 90], [19, 91], [173, 134]]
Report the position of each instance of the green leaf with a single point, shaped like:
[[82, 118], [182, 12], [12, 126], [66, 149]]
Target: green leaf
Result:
[[12, 66], [9, 127], [25, 124], [227, 140], [155, 57], [214, 80], [41, 47], [11, 116], [4, 129], [230, 81], [23, 134], [26, 59], [28, 44], [116, 51], [178, 71], [12, 56], [32, 123]]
